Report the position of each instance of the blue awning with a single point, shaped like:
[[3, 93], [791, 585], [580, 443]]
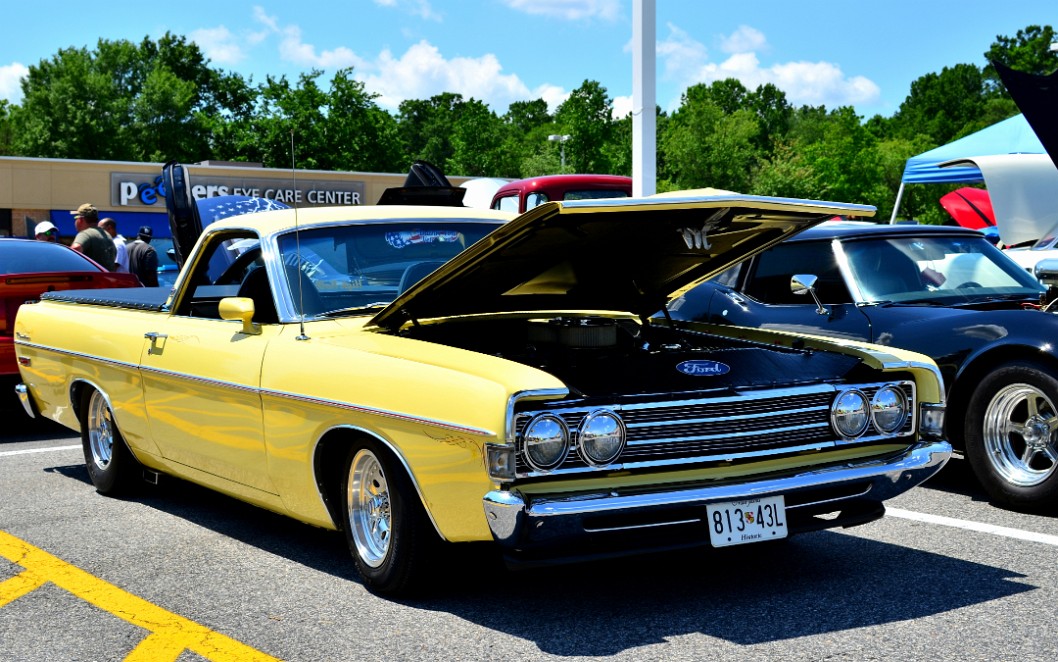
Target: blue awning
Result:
[[1011, 136]]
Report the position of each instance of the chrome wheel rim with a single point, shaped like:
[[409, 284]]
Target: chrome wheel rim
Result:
[[100, 431], [370, 519], [1020, 432]]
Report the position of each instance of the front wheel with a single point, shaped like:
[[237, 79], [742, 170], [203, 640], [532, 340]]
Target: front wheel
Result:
[[388, 533], [110, 463], [1012, 435]]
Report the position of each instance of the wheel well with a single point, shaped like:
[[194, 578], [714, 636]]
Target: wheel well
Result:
[[329, 466], [960, 392], [77, 393]]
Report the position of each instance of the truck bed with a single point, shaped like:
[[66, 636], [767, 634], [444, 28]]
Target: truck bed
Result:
[[140, 298]]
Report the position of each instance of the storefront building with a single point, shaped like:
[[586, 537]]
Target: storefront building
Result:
[[35, 190]]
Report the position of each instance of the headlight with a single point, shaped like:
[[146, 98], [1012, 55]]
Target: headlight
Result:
[[546, 442], [601, 437], [849, 414], [889, 409]]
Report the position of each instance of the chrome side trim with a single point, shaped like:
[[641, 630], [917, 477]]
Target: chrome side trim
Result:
[[268, 392], [479, 432]]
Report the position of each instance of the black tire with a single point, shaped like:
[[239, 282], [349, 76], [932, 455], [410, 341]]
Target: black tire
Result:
[[389, 535], [111, 466], [1011, 435]]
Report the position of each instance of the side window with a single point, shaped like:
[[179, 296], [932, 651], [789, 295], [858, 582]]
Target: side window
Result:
[[506, 203], [224, 262], [534, 199], [769, 281]]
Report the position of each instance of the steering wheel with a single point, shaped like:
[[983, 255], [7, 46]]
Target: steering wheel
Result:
[[969, 283]]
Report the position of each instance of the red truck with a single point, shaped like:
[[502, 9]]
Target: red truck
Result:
[[524, 194]]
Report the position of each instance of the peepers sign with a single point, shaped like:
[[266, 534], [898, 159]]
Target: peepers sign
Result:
[[139, 190]]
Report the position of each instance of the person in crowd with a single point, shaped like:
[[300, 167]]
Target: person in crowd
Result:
[[90, 240], [143, 259], [46, 231], [110, 226]]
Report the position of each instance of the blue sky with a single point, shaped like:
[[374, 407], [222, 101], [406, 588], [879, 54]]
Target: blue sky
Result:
[[836, 52]]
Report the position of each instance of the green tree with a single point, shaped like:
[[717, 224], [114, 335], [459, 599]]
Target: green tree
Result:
[[942, 106], [586, 116], [424, 127], [476, 137], [1028, 51], [6, 136], [704, 147], [834, 157], [122, 101], [361, 135]]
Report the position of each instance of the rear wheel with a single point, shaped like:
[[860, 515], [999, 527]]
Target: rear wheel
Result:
[[110, 463], [1012, 435], [390, 538]]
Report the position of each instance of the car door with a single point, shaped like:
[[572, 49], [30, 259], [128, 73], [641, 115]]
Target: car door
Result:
[[761, 296], [201, 376]]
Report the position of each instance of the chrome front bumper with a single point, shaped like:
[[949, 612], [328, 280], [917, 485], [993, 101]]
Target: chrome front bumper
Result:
[[539, 523]]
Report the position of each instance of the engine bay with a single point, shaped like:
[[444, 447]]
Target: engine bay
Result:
[[606, 357]]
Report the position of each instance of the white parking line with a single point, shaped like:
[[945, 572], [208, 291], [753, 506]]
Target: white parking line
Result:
[[38, 450], [974, 526]]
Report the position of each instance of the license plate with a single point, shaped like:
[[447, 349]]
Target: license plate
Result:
[[752, 520]]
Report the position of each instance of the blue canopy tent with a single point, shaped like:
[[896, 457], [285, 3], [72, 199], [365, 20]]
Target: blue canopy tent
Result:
[[1011, 136]]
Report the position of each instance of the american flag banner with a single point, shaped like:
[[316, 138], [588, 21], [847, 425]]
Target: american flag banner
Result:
[[408, 237], [226, 206]]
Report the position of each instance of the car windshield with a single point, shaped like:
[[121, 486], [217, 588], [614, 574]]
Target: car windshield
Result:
[[352, 266], [919, 268]]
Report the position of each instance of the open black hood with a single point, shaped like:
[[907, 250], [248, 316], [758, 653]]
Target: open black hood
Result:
[[621, 255]]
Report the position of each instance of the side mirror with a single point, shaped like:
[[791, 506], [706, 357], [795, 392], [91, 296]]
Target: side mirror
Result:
[[241, 309], [801, 284]]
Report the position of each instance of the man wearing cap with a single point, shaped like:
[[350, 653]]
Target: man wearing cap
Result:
[[143, 259], [90, 240], [46, 231], [110, 226]]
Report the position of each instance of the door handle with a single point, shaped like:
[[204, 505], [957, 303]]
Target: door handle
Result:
[[153, 336]]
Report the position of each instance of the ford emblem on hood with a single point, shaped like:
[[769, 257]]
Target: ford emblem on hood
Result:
[[703, 368]]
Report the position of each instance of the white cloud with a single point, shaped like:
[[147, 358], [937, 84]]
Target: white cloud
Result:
[[680, 54], [422, 72], [219, 45], [622, 106], [805, 83], [570, 10], [421, 8], [742, 40], [11, 76], [293, 49]]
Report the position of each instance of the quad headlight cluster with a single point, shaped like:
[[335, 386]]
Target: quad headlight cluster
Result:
[[853, 412], [547, 440]]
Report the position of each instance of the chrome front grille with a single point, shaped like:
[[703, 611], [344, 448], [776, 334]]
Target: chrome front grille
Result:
[[709, 429]]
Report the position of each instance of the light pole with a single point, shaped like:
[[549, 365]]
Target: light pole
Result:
[[561, 140]]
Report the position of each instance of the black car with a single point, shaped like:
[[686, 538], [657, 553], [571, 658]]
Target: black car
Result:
[[943, 291]]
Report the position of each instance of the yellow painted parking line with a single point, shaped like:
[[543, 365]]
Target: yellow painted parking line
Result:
[[19, 585], [170, 634]]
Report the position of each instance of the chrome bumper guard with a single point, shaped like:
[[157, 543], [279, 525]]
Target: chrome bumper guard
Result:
[[553, 520], [23, 396]]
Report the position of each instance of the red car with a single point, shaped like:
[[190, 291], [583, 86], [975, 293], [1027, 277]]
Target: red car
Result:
[[28, 268], [524, 194]]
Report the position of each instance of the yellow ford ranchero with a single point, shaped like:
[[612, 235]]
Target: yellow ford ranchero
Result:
[[419, 375]]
